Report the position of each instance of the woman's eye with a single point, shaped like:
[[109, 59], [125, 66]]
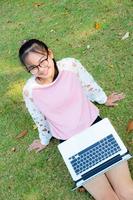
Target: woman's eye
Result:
[[32, 67], [42, 60]]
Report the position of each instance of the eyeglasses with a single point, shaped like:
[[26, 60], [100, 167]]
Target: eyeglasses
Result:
[[34, 69]]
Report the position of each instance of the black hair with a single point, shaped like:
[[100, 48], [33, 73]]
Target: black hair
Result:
[[32, 45], [37, 46]]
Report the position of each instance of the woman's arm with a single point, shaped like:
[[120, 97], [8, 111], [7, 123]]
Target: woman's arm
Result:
[[92, 90], [40, 121]]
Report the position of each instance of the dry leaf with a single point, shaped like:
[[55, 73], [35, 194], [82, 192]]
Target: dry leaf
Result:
[[13, 149], [38, 4], [34, 126], [130, 126], [111, 66], [22, 134], [125, 36], [81, 189], [97, 26]]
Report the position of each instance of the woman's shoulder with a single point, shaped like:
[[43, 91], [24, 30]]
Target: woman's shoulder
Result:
[[29, 85], [67, 64], [29, 82], [67, 60]]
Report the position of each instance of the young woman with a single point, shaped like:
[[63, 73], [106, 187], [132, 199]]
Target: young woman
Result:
[[59, 98]]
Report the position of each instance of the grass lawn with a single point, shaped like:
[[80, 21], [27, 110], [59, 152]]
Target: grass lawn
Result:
[[67, 26]]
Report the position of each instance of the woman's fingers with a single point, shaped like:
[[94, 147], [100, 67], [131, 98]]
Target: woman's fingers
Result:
[[112, 104], [36, 145], [35, 142], [39, 149], [117, 96], [32, 147]]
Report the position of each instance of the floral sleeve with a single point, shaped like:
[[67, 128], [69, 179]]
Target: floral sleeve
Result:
[[40, 120], [92, 90]]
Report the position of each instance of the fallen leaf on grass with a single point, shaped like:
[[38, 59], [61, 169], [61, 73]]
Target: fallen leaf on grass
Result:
[[131, 142], [34, 126], [22, 134], [13, 149], [111, 66], [125, 36], [21, 42], [97, 26], [38, 4], [130, 126], [65, 13], [81, 189]]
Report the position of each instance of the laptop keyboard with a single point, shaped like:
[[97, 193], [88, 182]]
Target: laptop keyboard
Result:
[[94, 154]]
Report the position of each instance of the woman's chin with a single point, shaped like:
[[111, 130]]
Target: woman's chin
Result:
[[44, 77]]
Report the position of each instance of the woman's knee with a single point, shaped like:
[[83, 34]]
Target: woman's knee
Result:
[[100, 188], [108, 196], [103, 194], [126, 193]]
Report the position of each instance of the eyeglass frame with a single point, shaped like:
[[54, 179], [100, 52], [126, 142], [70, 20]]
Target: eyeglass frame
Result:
[[37, 66]]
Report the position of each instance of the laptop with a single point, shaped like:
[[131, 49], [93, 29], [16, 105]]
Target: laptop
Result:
[[93, 151]]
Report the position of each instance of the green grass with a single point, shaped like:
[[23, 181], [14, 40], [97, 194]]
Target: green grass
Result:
[[67, 27]]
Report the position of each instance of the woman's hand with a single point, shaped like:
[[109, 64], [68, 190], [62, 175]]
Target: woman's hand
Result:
[[114, 98], [37, 146]]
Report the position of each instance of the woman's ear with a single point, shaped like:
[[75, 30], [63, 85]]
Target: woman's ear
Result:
[[50, 53]]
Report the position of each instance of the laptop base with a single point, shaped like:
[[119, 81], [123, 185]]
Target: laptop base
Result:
[[102, 169]]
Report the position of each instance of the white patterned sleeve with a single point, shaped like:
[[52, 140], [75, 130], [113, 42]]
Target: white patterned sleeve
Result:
[[39, 119], [92, 90]]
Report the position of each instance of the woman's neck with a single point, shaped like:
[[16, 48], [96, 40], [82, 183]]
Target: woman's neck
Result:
[[44, 81]]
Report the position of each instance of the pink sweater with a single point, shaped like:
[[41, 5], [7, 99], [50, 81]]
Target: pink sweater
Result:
[[65, 106]]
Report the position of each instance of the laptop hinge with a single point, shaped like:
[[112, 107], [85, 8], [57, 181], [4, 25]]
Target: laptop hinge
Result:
[[127, 153], [101, 167]]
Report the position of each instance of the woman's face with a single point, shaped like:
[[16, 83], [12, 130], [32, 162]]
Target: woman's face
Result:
[[42, 66]]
